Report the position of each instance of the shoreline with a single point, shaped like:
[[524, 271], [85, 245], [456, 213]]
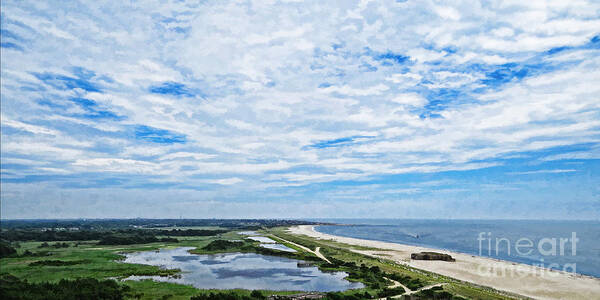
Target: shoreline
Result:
[[526, 280], [443, 250]]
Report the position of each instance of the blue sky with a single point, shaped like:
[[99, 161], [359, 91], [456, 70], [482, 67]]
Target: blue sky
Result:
[[396, 109]]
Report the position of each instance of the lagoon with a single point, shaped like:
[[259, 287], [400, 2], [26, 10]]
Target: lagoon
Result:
[[240, 270]]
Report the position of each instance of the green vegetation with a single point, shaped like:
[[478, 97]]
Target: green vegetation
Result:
[[372, 276], [6, 250], [407, 281], [109, 237], [101, 263], [58, 263], [249, 246], [110, 224], [45, 265], [388, 292], [345, 260], [55, 245], [360, 268], [477, 292], [349, 296], [224, 245], [50, 235], [229, 295], [12, 287], [130, 239], [437, 293], [39, 265], [191, 232], [152, 290]]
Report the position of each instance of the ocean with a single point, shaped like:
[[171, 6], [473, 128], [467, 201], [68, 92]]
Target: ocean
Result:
[[572, 246]]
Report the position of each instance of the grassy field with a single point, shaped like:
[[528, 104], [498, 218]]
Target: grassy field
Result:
[[101, 262]]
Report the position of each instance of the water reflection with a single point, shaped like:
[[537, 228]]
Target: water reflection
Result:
[[279, 247], [262, 239], [240, 270]]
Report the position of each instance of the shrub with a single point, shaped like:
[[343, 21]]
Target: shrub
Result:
[[6, 250], [13, 288], [57, 263], [257, 294], [220, 245], [129, 239]]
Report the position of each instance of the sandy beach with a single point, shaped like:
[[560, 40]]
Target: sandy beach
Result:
[[526, 280]]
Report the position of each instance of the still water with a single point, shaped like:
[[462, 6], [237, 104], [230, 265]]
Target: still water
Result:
[[262, 239], [279, 247], [240, 270]]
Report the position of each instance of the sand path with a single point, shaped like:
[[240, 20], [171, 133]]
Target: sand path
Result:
[[316, 252], [396, 284], [407, 290]]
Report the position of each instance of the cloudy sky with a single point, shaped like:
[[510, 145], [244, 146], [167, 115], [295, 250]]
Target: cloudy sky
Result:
[[398, 109]]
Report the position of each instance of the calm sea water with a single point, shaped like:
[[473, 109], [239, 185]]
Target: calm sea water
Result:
[[240, 270], [462, 236]]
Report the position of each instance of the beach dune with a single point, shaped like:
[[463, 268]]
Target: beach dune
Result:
[[521, 279]]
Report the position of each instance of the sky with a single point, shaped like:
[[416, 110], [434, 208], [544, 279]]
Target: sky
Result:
[[289, 109]]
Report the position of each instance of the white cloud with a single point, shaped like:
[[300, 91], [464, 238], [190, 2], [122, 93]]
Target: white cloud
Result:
[[385, 88], [411, 99], [186, 155], [445, 79], [347, 90], [115, 165], [447, 12], [503, 32], [28, 127], [555, 171], [226, 181], [573, 155]]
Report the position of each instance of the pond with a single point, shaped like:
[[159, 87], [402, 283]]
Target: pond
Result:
[[279, 247], [262, 239], [240, 270], [248, 233]]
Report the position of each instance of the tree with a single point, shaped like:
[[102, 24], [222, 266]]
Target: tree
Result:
[[6, 250], [257, 294]]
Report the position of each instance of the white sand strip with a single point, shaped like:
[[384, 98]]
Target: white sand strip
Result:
[[526, 280]]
